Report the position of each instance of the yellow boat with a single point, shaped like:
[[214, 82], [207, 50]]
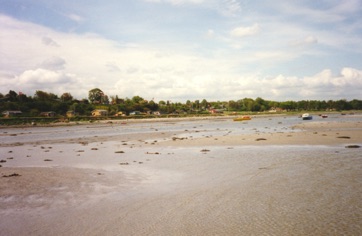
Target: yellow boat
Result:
[[242, 118]]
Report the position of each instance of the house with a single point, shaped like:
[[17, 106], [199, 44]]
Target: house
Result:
[[99, 112], [276, 109], [119, 114], [48, 114], [12, 113], [135, 113], [70, 114], [216, 111]]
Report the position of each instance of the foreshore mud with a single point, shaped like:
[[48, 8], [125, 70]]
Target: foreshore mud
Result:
[[266, 176]]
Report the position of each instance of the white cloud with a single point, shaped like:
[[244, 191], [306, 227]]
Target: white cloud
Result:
[[76, 18], [53, 63], [347, 84], [50, 42], [43, 77], [80, 62], [309, 40], [57, 82], [112, 67], [352, 75], [245, 31], [322, 86], [230, 7]]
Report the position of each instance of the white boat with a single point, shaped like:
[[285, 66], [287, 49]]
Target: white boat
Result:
[[307, 116]]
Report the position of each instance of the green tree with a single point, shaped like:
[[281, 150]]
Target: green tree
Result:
[[342, 105], [204, 104], [66, 97], [290, 105], [261, 104], [248, 103], [11, 96], [23, 98], [232, 105], [356, 104], [152, 106], [197, 104], [44, 96], [95, 95], [105, 99], [137, 99], [59, 107]]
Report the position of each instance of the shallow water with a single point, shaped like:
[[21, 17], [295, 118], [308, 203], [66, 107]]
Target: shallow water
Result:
[[200, 128]]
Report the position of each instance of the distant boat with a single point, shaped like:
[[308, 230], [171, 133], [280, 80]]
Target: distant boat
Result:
[[242, 118], [324, 116], [306, 116]]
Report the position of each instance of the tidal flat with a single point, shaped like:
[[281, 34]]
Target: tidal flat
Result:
[[266, 176]]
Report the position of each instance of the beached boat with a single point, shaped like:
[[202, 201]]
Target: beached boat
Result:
[[306, 116], [242, 118]]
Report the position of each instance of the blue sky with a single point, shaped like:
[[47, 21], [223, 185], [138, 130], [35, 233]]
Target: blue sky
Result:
[[182, 50]]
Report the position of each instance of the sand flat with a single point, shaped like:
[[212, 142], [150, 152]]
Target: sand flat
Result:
[[214, 181]]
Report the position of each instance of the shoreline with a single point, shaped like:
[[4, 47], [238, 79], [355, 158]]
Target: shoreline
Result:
[[109, 121], [322, 132]]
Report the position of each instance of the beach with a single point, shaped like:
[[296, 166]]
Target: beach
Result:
[[267, 176]]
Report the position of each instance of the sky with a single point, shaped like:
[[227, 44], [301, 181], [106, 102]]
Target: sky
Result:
[[181, 50]]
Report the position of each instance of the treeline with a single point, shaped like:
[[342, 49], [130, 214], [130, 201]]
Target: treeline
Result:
[[43, 101], [259, 104]]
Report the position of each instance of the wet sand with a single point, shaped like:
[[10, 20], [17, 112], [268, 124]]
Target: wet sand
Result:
[[303, 181], [317, 133]]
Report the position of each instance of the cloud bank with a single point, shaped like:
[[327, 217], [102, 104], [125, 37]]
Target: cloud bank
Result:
[[265, 56]]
